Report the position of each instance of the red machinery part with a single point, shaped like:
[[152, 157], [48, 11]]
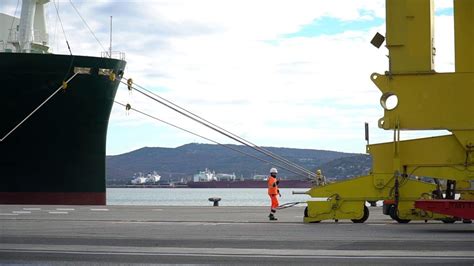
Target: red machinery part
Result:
[[458, 208]]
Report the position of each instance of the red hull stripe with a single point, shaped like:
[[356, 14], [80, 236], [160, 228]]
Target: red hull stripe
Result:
[[457, 208], [53, 198]]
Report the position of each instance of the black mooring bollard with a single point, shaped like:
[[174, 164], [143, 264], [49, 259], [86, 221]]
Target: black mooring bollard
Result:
[[215, 200]]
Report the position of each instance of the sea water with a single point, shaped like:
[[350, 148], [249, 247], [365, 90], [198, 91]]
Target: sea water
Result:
[[199, 196]]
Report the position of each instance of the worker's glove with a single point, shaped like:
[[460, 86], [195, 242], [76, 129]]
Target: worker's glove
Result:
[[278, 182]]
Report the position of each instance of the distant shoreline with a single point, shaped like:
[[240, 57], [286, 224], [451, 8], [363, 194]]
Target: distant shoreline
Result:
[[147, 186]]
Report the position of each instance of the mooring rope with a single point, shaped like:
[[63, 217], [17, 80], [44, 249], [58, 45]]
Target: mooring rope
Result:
[[289, 205], [128, 107], [63, 85], [131, 85]]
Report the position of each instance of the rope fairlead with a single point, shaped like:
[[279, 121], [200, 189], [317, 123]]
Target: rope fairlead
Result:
[[112, 76], [129, 84], [127, 109], [64, 85]]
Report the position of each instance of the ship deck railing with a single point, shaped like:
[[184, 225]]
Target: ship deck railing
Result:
[[115, 54]]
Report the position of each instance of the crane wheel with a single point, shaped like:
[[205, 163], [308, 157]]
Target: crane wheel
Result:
[[394, 215], [364, 217], [448, 220]]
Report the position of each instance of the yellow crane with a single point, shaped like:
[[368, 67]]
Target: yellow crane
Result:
[[425, 100]]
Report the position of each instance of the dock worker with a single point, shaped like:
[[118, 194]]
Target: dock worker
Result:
[[273, 192]]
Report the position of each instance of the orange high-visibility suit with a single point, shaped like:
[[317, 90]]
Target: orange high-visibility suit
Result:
[[273, 192]]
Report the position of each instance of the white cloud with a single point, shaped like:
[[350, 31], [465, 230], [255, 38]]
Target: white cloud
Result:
[[228, 61]]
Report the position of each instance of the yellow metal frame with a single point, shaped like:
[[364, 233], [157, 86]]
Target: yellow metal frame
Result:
[[426, 100], [346, 199]]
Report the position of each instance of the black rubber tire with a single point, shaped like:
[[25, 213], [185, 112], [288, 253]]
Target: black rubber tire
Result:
[[306, 215], [364, 217], [448, 220], [393, 214]]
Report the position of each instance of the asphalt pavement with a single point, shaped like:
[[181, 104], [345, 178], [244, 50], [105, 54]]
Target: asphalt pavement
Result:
[[84, 235]]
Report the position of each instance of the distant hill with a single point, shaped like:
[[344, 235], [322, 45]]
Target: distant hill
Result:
[[347, 167], [186, 160]]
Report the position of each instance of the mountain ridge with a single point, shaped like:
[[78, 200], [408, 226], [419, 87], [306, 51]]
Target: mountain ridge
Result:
[[186, 160]]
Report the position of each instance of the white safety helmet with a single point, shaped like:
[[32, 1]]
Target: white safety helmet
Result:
[[273, 171]]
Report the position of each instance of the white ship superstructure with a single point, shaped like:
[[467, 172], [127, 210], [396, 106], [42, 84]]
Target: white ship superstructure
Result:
[[150, 178], [205, 176]]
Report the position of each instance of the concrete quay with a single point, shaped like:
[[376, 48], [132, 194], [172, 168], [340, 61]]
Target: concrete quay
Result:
[[84, 235]]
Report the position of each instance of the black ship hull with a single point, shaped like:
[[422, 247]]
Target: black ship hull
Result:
[[57, 156]]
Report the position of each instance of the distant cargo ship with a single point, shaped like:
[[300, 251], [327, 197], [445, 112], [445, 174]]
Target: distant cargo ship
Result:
[[209, 179], [56, 156], [249, 184], [150, 178]]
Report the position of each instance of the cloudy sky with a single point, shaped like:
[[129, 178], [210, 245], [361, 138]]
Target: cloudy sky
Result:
[[289, 73]]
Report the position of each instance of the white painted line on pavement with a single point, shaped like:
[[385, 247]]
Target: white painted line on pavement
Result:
[[97, 210], [64, 209], [57, 212], [8, 214], [32, 209], [21, 212], [345, 257], [240, 252]]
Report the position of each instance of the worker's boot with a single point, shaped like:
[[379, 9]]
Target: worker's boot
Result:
[[272, 217]]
